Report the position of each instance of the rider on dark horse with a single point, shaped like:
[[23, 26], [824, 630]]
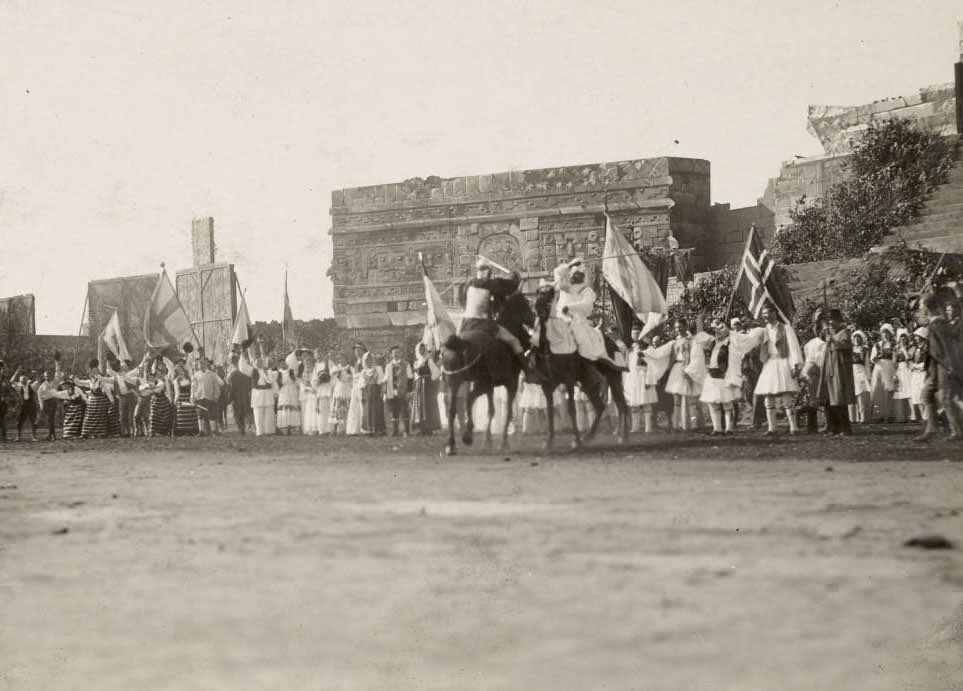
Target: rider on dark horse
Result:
[[483, 297]]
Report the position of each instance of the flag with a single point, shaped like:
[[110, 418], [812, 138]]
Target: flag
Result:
[[287, 323], [242, 324], [758, 281], [437, 320], [166, 323], [631, 285], [113, 338]]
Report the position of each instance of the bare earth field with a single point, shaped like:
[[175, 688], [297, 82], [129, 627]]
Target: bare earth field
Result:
[[675, 563]]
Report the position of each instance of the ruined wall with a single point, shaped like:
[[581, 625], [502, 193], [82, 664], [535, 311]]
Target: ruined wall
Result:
[[932, 109], [528, 221], [731, 227]]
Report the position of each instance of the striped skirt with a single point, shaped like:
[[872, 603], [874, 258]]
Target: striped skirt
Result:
[[74, 410], [95, 417], [186, 421], [161, 415], [113, 418]]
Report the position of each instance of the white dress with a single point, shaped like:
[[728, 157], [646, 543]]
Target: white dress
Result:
[[289, 402], [309, 403], [679, 383], [777, 376], [262, 402], [718, 389], [355, 408], [637, 391], [323, 392]]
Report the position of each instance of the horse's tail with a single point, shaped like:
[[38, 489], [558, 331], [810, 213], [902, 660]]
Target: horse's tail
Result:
[[456, 343]]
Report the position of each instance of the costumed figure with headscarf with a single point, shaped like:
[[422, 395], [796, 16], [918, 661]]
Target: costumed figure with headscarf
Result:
[[323, 387], [289, 394], [918, 372], [99, 397], [342, 387], [860, 410], [814, 352], [680, 385], [482, 295], [883, 380], [371, 382], [902, 410], [75, 404], [637, 393], [185, 412], [355, 407], [424, 414], [836, 390], [575, 304]]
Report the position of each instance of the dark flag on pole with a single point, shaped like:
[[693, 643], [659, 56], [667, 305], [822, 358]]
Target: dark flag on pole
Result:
[[287, 324], [759, 282]]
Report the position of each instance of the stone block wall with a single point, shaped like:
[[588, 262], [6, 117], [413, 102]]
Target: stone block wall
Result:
[[732, 227], [529, 221]]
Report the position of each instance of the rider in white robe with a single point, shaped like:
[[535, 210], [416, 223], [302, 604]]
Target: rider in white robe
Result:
[[576, 302]]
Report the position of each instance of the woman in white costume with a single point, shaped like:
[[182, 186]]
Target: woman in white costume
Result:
[[309, 396], [262, 394], [883, 380], [352, 425], [289, 394], [781, 356], [323, 388], [683, 389], [918, 372], [859, 412], [637, 392], [533, 407], [718, 390], [901, 392], [342, 387]]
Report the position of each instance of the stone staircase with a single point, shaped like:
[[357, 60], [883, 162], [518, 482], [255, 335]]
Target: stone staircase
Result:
[[940, 226]]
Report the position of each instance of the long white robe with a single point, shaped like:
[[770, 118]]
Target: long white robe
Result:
[[580, 301]]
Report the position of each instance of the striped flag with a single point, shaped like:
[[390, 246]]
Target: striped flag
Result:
[[113, 338], [758, 281], [438, 323], [166, 323], [242, 324], [630, 283]]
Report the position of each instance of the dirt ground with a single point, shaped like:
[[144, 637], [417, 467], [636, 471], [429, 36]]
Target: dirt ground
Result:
[[675, 563]]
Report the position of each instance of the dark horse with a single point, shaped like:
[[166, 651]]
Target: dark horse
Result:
[[569, 369], [479, 358]]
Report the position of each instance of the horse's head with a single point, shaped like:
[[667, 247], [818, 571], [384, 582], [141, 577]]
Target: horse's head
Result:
[[516, 310], [544, 299]]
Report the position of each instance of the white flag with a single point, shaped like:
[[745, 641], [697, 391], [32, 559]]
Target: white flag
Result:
[[627, 275], [437, 319], [242, 324], [113, 338]]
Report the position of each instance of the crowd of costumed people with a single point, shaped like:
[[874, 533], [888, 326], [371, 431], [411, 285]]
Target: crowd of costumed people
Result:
[[717, 376]]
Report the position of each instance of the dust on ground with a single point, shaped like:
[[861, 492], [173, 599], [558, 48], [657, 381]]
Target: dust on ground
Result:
[[678, 562]]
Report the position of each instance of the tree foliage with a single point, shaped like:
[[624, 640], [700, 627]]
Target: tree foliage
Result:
[[892, 169], [708, 297]]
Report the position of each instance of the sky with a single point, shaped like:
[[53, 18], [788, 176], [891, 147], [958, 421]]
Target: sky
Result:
[[120, 122]]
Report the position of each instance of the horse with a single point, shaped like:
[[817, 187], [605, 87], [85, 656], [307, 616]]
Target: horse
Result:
[[479, 358], [567, 369]]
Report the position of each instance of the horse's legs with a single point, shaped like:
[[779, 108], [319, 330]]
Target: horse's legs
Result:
[[490, 395], [512, 391], [549, 413], [570, 402], [618, 395], [597, 397], [453, 385], [468, 437]]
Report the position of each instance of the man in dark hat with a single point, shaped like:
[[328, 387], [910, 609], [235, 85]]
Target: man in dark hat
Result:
[[837, 389], [943, 384], [398, 376]]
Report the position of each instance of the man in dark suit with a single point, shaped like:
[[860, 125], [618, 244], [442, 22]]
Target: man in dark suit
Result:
[[239, 386]]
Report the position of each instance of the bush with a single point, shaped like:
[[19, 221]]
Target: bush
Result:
[[892, 169]]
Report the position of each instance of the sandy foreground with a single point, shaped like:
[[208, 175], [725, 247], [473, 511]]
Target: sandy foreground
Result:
[[676, 563]]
